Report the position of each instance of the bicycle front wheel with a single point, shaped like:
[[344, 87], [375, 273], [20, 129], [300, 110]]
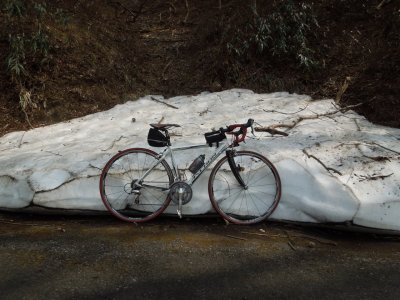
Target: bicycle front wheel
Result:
[[128, 192], [251, 203]]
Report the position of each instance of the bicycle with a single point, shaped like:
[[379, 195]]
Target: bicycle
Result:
[[138, 184]]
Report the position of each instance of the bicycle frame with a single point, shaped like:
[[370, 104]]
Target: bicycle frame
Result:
[[160, 172], [169, 151]]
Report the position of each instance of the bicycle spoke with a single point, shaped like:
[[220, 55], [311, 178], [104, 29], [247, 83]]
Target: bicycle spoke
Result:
[[252, 203], [117, 180]]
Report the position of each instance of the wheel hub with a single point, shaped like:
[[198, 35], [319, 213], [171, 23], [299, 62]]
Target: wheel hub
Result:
[[132, 187]]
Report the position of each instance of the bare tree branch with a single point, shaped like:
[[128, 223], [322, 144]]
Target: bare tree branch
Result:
[[296, 121], [322, 164]]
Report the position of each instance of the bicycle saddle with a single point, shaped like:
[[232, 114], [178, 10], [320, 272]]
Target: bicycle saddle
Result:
[[164, 126]]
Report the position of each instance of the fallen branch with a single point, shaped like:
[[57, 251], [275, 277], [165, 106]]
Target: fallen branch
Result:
[[162, 102], [202, 113], [20, 141], [313, 117], [291, 246], [321, 241], [24, 224], [357, 125], [162, 119], [270, 130], [263, 234], [290, 242], [373, 177], [236, 237], [56, 154], [286, 113], [367, 143], [374, 158], [374, 143], [322, 164]]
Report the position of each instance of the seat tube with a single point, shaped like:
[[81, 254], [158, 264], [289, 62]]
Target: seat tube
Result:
[[174, 167]]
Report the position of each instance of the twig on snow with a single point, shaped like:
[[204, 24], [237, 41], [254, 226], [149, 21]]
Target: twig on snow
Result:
[[373, 177], [287, 113], [162, 102], [374, 143], [329, 169], [367, 143], [357, 125], [270, 130], [296, 121], [162, 119]]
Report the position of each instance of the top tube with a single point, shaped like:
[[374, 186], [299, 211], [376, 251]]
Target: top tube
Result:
[[189, 147]]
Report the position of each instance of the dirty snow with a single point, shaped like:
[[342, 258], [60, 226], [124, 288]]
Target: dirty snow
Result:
[[334, 166]]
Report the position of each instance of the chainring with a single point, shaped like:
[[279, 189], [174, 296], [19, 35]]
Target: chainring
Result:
[[180, 189]]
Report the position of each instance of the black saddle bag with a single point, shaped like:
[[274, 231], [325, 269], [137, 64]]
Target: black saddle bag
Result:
[[156, 138]]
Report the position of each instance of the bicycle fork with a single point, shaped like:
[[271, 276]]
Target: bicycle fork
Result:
[[235, 169]]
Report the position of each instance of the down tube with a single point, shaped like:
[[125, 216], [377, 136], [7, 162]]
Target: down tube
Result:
[[216, 154]]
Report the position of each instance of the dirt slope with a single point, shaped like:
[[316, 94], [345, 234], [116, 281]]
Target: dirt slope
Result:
[[106, 52]]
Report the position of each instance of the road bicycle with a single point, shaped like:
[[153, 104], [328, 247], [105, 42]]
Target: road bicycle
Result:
[[138, 184]]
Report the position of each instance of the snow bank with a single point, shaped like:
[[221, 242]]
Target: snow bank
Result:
[[335, 166]]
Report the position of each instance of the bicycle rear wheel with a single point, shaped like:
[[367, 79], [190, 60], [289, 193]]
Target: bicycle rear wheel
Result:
[[126, 194], [255, 201]]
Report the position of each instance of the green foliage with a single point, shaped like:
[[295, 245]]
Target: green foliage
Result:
[[40, 42], [40, 9], [15, 8], [16, 57], [61, 17], [283, 34], [29, 46]]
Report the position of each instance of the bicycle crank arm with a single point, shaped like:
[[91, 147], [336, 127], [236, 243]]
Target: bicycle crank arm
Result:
[[179, 210]]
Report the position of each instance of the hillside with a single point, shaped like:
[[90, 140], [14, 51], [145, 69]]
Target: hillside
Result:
[[65, 59]]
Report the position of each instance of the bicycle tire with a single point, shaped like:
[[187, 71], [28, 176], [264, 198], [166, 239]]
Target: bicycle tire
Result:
[[260, 197], [123, 198]]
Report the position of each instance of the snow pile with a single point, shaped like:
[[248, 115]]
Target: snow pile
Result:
[[335, 166]]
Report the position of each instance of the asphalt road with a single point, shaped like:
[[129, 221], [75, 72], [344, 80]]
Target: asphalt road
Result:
[[59, 257]]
